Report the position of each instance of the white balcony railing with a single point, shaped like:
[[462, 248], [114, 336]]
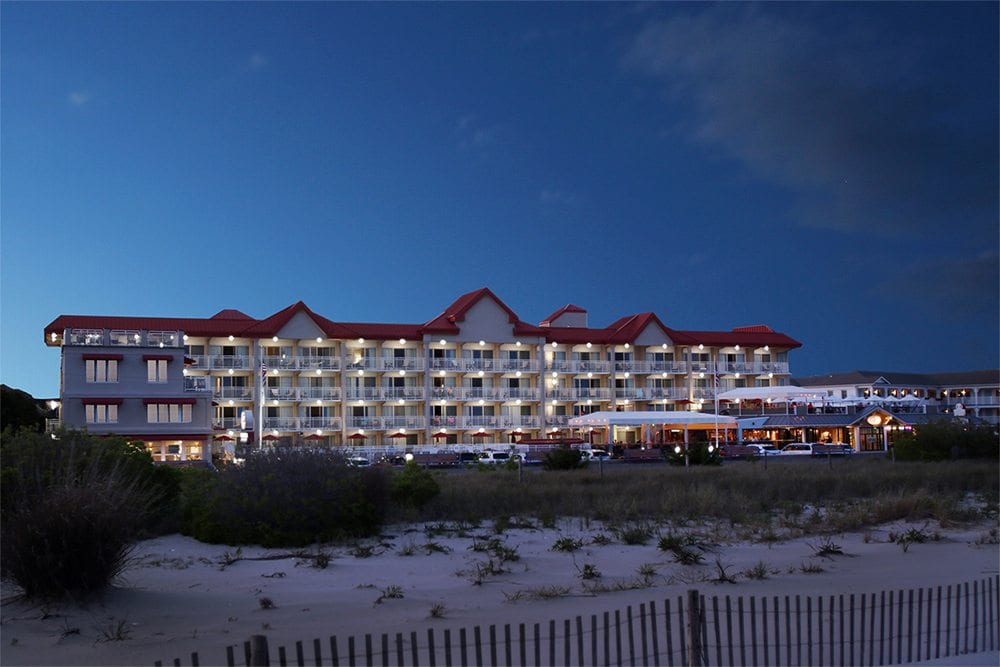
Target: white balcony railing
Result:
[[363, 393], [125, 337], [519, 421], [85, 337], [319, 393], [319, 423], [402, 363], [226, 423], [468, 422], [373, 423], [317, 363], [403, 393], [229, 361], [197, 383], [408, 422], [235, 393], [281, 424]]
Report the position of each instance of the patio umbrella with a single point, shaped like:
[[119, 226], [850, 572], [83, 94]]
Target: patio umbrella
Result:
[[270, 437], [480, 434], [398, 435], [314, 437], [439, 435], [223, 437], [357, 436]]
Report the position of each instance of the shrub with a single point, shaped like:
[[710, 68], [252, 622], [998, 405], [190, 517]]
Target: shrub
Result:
[[698, 454], [414, 486], [286, 497], [563, 458], [72, 509], [941, 441]]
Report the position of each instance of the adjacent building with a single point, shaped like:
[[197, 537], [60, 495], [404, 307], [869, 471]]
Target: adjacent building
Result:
[[474, 374]]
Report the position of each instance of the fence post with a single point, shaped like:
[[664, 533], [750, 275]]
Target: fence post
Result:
[[694, 628], [259, 656]]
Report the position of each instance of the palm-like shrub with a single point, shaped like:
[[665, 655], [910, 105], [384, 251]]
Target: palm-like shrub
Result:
[[72, 509]]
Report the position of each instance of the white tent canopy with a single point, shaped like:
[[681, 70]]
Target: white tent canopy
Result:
[[638, 418], [784, 393]]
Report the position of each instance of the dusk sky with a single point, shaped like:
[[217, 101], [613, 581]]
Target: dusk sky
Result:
[[830, 170]]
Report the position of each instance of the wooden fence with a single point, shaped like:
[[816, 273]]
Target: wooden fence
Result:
[[886, 628]]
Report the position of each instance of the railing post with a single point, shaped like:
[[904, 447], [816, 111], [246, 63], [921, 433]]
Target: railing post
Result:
[[694, 628], [259, 656]]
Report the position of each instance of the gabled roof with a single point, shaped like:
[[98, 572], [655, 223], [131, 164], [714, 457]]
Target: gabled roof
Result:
[[231, 314], [951, 379], [446, 321], [270, 326], [738, 337], [568, 308]]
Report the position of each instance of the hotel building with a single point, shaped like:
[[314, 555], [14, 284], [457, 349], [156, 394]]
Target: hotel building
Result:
[[473, 375]]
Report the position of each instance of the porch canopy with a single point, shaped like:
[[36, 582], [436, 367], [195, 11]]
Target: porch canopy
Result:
[[640, 418], [780, 394]]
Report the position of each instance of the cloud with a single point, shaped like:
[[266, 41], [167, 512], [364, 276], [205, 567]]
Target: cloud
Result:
[[79, 98], [852, 123], [948, 288], [257, 61]]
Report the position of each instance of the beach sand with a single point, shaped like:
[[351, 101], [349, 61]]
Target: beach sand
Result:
[[177, 596]]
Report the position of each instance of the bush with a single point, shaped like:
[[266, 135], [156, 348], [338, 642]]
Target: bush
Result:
[[941, 441], [72, 509], [563, 458], [698, 455], [286, 498], [414, 486]]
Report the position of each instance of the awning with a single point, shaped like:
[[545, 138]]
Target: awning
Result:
[[439, 434], [157, 357], [397, 435], [223, 437], [314, 437], [92, 356], [266, 437], [357, 436], [639, 418], [102, 401], [783, 393], [480, 434]]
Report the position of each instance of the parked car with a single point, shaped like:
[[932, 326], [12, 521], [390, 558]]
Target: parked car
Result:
[[798, 448], [763, 448], [595, 454], [832, 449], [498, 457], [358, 462]]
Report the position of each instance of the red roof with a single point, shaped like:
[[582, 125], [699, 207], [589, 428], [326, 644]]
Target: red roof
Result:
[[231, 322], [568, 308]]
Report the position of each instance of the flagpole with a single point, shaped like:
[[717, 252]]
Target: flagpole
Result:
[[716, 404], [260, 396]]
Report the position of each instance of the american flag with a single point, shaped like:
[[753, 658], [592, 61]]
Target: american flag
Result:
[[263, 371]]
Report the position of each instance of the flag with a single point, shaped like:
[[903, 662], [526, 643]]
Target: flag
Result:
[[263, 371]]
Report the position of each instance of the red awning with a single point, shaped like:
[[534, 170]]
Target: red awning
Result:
[[439, 434], [102, 401], [90, 356], [314, 437], [170, 401], [224, 437], [398, 435], [269, 437], [480, 434], [357, 436]]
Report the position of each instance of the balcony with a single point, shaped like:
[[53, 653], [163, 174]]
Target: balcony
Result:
[[522, 394], [401, 364], [557, 420], [469, 365], [196, 361], [319, 423], [197, 383], [281, 424], [363, 364], [163, 338], [373, 423], [514, 365], [125, 337], [281, 393], [313, 363], [413, 393], [519, 421], [319, 393], [224, 423], [84, 337], [444, 364], [477, 393], [411, 422], [363, 394], [560, 394], [629, 393], [676, 367], [483, 421], [224, 361], [234, 393], [663, 394]]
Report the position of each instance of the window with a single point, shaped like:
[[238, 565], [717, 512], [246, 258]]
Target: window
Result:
[[102, 414], [102, 370], [156, 370], [163, 413]]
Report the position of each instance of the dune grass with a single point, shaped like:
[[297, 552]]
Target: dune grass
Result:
[[817, 498]]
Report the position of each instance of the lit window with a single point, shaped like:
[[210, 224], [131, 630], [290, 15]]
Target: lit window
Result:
[[163, 413], [102, 414], [102, 370], [156, 370]]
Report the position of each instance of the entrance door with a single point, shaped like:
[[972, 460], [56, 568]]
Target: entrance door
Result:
[[872, 439]]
